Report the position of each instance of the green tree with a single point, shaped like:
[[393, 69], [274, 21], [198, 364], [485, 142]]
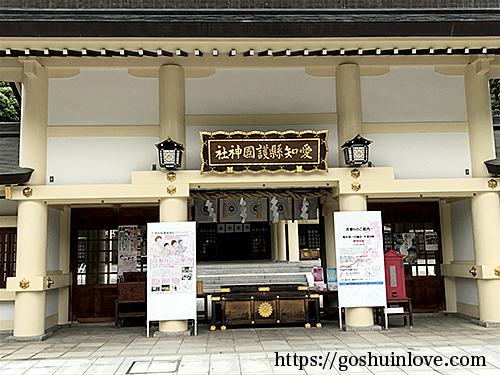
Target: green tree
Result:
[[495, 96], [9, 107]]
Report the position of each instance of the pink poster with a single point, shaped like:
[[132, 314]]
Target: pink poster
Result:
[[318, 275]]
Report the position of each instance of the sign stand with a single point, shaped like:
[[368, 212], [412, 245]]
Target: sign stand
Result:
[[340, 318], [360, 260], [171, 273]]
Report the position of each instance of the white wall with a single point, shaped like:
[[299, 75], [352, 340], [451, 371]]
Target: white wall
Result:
[[260, 91], [53, 237], [413, 94], [99, 160], [103, 97], [466, 291], [113, 97], [461, 230], [6, 310], [8, 207], [51, 302], [422, 155], [193, 141]]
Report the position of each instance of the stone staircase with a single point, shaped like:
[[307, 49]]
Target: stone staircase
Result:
[[217, 274]]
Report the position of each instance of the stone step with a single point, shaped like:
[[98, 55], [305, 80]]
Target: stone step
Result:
[[249, 266], [222, 271], [257, 280], [218, 274], [204, 268]]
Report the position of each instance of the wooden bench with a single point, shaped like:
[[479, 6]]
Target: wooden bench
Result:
[[395, 307], [131, 301]]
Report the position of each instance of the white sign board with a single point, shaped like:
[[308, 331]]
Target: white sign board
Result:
[[360, 259], [171, 273]]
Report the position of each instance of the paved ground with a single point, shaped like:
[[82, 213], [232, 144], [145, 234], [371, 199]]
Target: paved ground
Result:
[[104, 349]]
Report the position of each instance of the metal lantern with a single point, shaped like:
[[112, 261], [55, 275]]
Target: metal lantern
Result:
[[170, 154], [356, 151]]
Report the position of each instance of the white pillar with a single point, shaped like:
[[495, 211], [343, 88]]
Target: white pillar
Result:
[[329, 207], [481, 138], [356, 316], [172, 99], [31, 261], [349, 112], [349, 124], [293, 241], [172, 210], [29, 307], [331, 257], [447, 245], [64, 250], [282, 240], [172, 104], [485, 207], [33, 138]]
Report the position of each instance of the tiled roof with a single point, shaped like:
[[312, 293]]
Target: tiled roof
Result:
[[249, 4], [248, 18], [9, 143], [10, 172]]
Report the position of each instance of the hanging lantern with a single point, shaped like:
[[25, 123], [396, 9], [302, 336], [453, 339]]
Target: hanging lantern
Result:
[[170, 154], [356, 151]]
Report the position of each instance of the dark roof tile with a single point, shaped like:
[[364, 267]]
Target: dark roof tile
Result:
[[248, 4]]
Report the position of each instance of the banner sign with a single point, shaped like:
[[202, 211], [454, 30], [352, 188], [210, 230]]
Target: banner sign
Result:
[[127, 249], [360, 259], [257, 151], [331, 278], [318, 275], [171, 274]]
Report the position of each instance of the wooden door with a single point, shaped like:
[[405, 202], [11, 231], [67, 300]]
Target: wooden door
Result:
[[94, 303], [414, 229], [94, 258], [8, 242]]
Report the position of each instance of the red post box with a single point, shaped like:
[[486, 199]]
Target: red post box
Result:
[[394, 275]]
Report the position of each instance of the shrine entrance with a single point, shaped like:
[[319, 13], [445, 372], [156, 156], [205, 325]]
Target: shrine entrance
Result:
[[233, 241], [267, 224], [413, 229], [94, 257]]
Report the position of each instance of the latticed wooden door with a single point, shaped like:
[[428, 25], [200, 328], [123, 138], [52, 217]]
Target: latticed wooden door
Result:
[[8, 241]]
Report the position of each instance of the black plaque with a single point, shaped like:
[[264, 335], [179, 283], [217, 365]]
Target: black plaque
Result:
[[256, 151]]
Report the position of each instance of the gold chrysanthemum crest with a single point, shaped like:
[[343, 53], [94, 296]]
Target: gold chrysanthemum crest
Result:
[[265, 309]]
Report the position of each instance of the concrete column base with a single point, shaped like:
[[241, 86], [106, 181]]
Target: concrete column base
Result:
[[168, 326], [362, 329], [488, 305], [359, 317], [29, 318], [38, 338], [485, 324], [189, 332]]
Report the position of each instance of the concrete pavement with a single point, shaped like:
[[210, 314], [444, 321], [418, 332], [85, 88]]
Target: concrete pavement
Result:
[[88, 350]]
